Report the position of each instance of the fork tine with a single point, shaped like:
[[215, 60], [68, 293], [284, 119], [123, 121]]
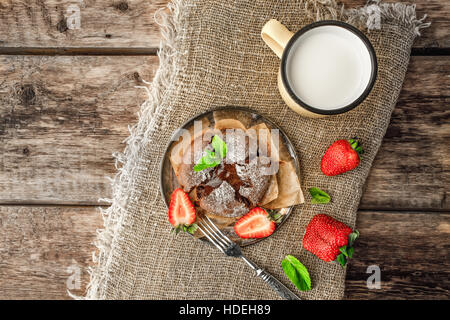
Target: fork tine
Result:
[[229, 242], [209, 235], [211, 240], [210, 228]]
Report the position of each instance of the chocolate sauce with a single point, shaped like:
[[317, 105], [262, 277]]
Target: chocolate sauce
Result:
[[224, 172]]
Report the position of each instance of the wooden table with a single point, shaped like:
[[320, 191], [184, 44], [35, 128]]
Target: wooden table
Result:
[[67, 97]]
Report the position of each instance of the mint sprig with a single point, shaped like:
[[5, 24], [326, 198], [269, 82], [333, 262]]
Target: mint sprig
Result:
[[296, 272], [319, 196], [212, 159], [219, 146]]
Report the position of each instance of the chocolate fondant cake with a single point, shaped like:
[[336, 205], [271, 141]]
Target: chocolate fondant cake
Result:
[[234, 186]]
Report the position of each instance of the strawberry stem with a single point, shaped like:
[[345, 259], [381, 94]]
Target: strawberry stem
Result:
[[342, 260], [191, 228], [352, 237], [274, 215], [347, 251], [354, 143]]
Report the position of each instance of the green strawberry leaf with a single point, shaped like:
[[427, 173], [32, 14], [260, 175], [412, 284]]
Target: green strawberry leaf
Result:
[[277, 217], [354, 143], [296, 272], [274, 215], [342, 260], [319, 196], [186, 228], [177, 230], [220, 147], [192, 228], [352, 237], [343, 249], [350, 252]]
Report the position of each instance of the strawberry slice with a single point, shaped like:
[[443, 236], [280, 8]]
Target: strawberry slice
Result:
[[181, 211], [255, 224]]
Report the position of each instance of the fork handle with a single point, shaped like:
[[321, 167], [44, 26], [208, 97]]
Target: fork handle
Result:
[[276, 285]]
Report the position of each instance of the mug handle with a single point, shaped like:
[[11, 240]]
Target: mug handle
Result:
[[276, 36]]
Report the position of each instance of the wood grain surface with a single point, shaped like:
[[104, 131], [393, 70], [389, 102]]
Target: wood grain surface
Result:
[[42, 247], [102, 23], [61, 118], [410, 248], [130, 23], [67, 97], [46, 246]]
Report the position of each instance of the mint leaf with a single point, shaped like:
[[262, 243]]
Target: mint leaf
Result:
[[342, 260], [209, 160], [199, 167], [220, 147], [212, 159], [319, 196], [210, 154], [296, 272]]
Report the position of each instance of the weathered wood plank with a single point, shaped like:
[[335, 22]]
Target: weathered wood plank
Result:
[[411, 250], [41, 246], [130, 23], [412, 168], [102, 23], [61, 118]]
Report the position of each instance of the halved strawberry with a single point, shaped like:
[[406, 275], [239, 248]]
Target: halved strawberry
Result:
[[255, 224], [181, 212]]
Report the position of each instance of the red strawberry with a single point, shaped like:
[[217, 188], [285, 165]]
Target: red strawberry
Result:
[[255, 224], [329, 239], [340, 157], [181, 211]]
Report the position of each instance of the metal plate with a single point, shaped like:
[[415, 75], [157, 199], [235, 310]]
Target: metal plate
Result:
[[168, 181]]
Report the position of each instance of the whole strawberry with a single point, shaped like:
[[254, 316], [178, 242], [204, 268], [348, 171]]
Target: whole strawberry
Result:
[[340, 157], [329, 239]]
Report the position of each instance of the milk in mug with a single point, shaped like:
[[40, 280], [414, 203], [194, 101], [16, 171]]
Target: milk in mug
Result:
[[328, 67]]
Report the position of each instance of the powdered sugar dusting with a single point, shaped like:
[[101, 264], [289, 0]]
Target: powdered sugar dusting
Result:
[[223, 195], [236, 145], [252, 173]]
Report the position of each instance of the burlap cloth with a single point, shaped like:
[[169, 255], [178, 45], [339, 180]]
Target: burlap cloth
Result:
[[212, 55]]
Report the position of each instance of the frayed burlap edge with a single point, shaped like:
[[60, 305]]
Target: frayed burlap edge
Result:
[[125, 163], [170, 22], [372, 15]]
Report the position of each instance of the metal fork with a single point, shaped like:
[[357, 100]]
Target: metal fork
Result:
[[232, 249]]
